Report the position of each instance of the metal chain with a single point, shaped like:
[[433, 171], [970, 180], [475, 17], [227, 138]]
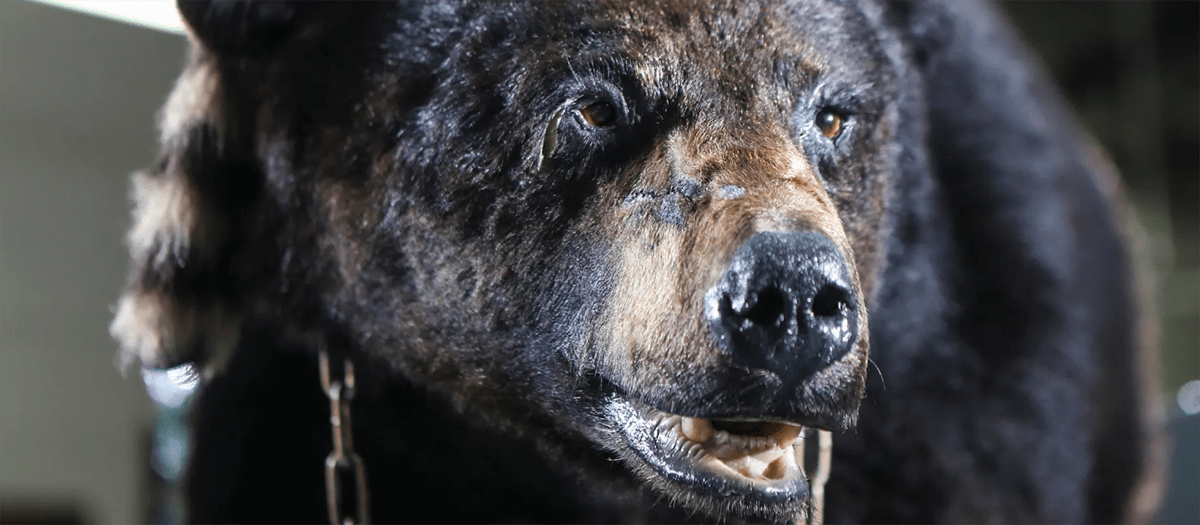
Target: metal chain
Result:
[[816, 482], [824, 462], [342, 464]]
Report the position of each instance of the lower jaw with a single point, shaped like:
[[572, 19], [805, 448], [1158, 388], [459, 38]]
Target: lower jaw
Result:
[[765, 480]]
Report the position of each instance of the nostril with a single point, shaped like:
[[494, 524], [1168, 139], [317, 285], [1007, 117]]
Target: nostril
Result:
[[785, 305], [831, 301], [769, 308]]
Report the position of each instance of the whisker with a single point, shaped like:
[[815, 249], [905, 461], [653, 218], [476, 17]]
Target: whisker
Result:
[[880, 372]]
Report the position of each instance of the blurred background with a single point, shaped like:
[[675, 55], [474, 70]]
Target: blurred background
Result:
[[78, 98]]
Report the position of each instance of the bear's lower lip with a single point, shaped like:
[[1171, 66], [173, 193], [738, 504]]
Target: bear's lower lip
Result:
[[752, 464]]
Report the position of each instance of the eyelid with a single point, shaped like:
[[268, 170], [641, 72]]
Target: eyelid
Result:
[[550, 138]]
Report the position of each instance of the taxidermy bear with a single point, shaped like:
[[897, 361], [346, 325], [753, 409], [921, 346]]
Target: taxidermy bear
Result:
[[606, 260]]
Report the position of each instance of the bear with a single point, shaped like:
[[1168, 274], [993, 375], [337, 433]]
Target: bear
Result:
[[612, 261]]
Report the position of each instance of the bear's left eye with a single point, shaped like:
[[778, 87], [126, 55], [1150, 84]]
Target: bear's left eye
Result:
[[599, 114], [830, 123]]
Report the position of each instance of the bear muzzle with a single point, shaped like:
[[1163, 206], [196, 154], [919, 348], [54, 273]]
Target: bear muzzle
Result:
[[784, 318], [783, 334]]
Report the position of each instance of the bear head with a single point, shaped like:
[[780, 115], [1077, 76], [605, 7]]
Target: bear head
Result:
[[649, 228]]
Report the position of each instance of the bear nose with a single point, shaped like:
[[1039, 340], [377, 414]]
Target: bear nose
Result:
[[785, 305]]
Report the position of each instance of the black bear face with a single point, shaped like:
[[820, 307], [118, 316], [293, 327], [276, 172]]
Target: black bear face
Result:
[[653, 228]]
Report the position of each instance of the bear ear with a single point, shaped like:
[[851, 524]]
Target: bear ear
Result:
[[244, 28]]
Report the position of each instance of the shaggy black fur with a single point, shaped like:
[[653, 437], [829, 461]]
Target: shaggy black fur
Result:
[[377, 175]]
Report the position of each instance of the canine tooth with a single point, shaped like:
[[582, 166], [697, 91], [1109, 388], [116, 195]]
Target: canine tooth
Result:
[[696, 429], [787, 435]]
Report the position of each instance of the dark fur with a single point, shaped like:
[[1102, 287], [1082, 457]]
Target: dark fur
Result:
[[372, 175]]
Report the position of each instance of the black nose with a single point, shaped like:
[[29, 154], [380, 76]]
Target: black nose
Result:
[[785, 305]]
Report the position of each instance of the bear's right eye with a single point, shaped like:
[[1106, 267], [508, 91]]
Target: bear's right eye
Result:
[[599, 114]]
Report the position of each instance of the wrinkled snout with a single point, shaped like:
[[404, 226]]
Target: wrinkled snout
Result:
[[785, 305]]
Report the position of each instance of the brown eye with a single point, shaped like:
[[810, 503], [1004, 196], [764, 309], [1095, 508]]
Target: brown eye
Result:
[[829, 123], [599, 114]]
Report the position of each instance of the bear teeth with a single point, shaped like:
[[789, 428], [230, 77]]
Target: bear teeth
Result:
[[756, 450], [696, 429], [756, 456], [772, 465]]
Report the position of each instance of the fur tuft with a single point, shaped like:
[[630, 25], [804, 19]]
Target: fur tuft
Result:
[[171, 311], [158, 331]]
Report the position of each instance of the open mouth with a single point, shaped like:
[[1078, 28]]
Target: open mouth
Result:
[[755, 450], [756, 465]]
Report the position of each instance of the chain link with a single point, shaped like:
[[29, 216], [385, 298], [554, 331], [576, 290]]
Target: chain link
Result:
[[343, 464], [824, 462], [816, 482]]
